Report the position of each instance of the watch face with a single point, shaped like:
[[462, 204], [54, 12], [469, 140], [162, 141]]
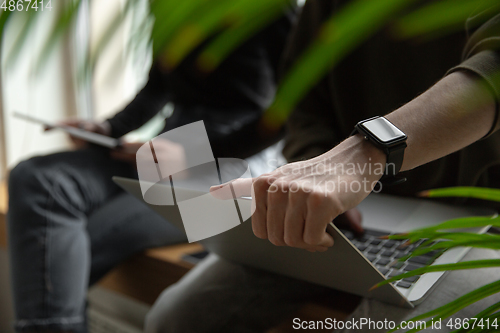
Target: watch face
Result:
[[384, 130]]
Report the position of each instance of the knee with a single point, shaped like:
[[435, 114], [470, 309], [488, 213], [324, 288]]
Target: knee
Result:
[[25, 180], [22, 175], [158, 317], [167, 314], [155, 322]]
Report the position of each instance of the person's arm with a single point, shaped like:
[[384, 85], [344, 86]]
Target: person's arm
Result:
[[148, 102], [295, 203], [457, 111], [465, 101]]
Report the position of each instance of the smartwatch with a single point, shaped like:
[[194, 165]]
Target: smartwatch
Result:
[[386, 136]]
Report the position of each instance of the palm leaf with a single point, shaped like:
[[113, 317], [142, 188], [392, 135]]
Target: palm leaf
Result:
[[231, 38], [339, 35], [451, 240], [444, 267], [459, 223], [222, 15], [21, 40], [109, 33], [485, 313], [458, 304], [438, 18], [170, 16], [464, 192], [66, 17], [4, 17]]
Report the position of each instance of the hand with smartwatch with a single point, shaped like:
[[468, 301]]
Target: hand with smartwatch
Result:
[[295, 202]]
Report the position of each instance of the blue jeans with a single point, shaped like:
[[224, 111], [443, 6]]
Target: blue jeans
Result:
[[68, 225]]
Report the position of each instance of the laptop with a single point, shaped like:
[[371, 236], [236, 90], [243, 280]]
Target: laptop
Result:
[[353, 264]]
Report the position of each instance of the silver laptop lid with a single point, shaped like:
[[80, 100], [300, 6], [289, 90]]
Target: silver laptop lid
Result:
[[342, 267]]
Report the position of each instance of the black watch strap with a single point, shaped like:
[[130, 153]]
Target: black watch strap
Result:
[[394, 162], [394, 152]]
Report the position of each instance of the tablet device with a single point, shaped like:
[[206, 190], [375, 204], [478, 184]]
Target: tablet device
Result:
[[98, 139]]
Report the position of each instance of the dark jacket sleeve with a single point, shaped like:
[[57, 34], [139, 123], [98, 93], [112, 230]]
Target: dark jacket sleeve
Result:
[[309, 127], [148, 102], [276, 39], [482, 52]]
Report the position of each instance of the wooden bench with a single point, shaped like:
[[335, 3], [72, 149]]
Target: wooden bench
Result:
[[144, 276]]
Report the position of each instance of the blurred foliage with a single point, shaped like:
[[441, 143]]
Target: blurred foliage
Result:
[[180, 26], [444, 237]]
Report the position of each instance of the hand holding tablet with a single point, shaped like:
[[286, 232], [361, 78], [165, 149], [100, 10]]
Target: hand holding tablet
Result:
[[79, 130]]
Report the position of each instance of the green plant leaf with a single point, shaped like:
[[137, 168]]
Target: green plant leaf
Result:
[[438, 18], [170, 16], [458, 223], [65, 19], [29, 20], [339, 35], [486, 312], [445, 267], [458, 304], [450, 236], [109, 32], [231, 38], [4, 17], [478, 329], [205, 24], [489, 194], [482, 241]]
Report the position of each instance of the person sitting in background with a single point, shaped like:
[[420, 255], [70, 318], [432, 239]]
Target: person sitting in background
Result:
[[452, 140], [69, 224]]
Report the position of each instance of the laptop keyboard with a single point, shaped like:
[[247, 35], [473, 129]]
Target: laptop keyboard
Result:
[[384, 254]]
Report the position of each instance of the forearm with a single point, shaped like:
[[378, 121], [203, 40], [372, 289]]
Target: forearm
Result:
[[144, 107], [454, 113], [148, 102]]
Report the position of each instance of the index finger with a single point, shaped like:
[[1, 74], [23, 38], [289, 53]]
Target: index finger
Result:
[[242, 187], [70, 122]]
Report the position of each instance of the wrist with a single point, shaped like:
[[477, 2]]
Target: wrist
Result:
[[105, 128], [360, 155], [366, 148]]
